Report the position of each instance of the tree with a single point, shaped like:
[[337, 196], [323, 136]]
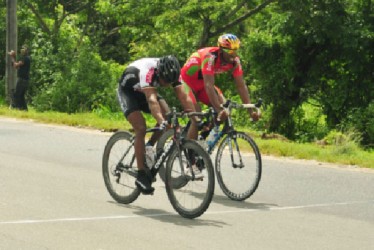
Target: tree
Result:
[[50, 14], [314, 49], [177, 26]]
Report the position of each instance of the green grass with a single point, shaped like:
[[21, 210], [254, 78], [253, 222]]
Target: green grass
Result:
[[85, 120], [340, 154], [346, 154]]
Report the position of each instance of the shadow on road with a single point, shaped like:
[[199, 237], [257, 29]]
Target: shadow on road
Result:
[[169, 217]]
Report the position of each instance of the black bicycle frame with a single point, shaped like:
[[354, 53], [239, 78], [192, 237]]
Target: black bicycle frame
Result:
[[161, 156]]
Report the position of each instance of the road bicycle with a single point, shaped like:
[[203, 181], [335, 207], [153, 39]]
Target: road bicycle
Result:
[[189, 196], [238, 162]]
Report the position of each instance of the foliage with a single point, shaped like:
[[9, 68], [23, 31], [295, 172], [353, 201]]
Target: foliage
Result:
[[361, 119], [345, 142], [77, 88], [310, 122], [313, 49], [105, 112], [339, 138], [292, 52], [177, 27]]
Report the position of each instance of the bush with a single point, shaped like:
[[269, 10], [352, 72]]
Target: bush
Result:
[[106, 113], [86, 84], [344, 142], [310, 122], [362, 120]]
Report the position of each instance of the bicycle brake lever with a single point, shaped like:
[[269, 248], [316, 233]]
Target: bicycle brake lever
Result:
[[259, 103], [226, 104]]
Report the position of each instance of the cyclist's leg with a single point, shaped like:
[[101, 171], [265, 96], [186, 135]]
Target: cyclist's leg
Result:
[[190, 87], [202, 96], [144, 179], [131, 105], [137, 121], [164, 109]]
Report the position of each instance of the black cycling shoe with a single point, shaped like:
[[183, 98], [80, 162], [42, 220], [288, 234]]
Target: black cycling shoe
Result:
[[144, 183], [153, 173]]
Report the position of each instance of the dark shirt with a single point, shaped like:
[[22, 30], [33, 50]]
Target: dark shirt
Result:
[[24, 70]]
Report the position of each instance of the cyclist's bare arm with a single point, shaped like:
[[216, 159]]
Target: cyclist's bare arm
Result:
[[212, 94], [244, 95], [154, 106], [242, 89], [187, 104]]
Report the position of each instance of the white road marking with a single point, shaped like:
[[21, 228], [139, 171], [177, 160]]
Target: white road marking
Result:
[[30, 221]]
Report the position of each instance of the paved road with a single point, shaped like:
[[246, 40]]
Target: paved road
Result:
[[53, 197]]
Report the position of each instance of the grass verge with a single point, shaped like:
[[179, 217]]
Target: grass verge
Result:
[[346, 154]]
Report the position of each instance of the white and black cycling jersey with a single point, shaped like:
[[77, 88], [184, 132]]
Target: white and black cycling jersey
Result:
[[140, 74]]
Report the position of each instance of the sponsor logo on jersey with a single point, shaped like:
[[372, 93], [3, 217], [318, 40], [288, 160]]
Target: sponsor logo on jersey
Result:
[[210, 63], [149, 76], [126, 78], [192, 60]]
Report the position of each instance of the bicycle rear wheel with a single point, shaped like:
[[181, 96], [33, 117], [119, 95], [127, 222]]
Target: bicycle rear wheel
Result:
[[239, 172], [119, 168], [193, 198]]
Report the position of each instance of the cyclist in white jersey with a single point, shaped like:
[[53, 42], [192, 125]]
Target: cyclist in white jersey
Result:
[[137, 93]]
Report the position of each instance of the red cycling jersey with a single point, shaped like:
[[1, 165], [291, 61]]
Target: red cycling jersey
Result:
[[206, 61]]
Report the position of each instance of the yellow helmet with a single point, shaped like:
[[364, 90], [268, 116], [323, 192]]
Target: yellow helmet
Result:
[[229, 41]]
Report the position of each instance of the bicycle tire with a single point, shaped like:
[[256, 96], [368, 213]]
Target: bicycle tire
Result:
[[239, 182], [119, 175], [199, 191]]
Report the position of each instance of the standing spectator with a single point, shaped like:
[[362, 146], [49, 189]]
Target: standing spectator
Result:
[[22, 64]]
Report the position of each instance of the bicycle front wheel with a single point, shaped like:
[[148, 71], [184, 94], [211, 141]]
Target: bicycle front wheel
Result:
[[192, 198], [119, 168], [238, 166]]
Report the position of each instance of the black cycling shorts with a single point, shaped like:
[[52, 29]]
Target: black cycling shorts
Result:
[[131, 100]]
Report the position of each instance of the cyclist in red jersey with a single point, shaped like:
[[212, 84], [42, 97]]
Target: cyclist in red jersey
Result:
[[199, 70]]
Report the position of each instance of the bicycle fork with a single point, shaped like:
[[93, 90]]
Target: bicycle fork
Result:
[[230, 139]]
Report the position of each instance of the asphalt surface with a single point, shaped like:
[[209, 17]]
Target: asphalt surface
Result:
[[53, 197]]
